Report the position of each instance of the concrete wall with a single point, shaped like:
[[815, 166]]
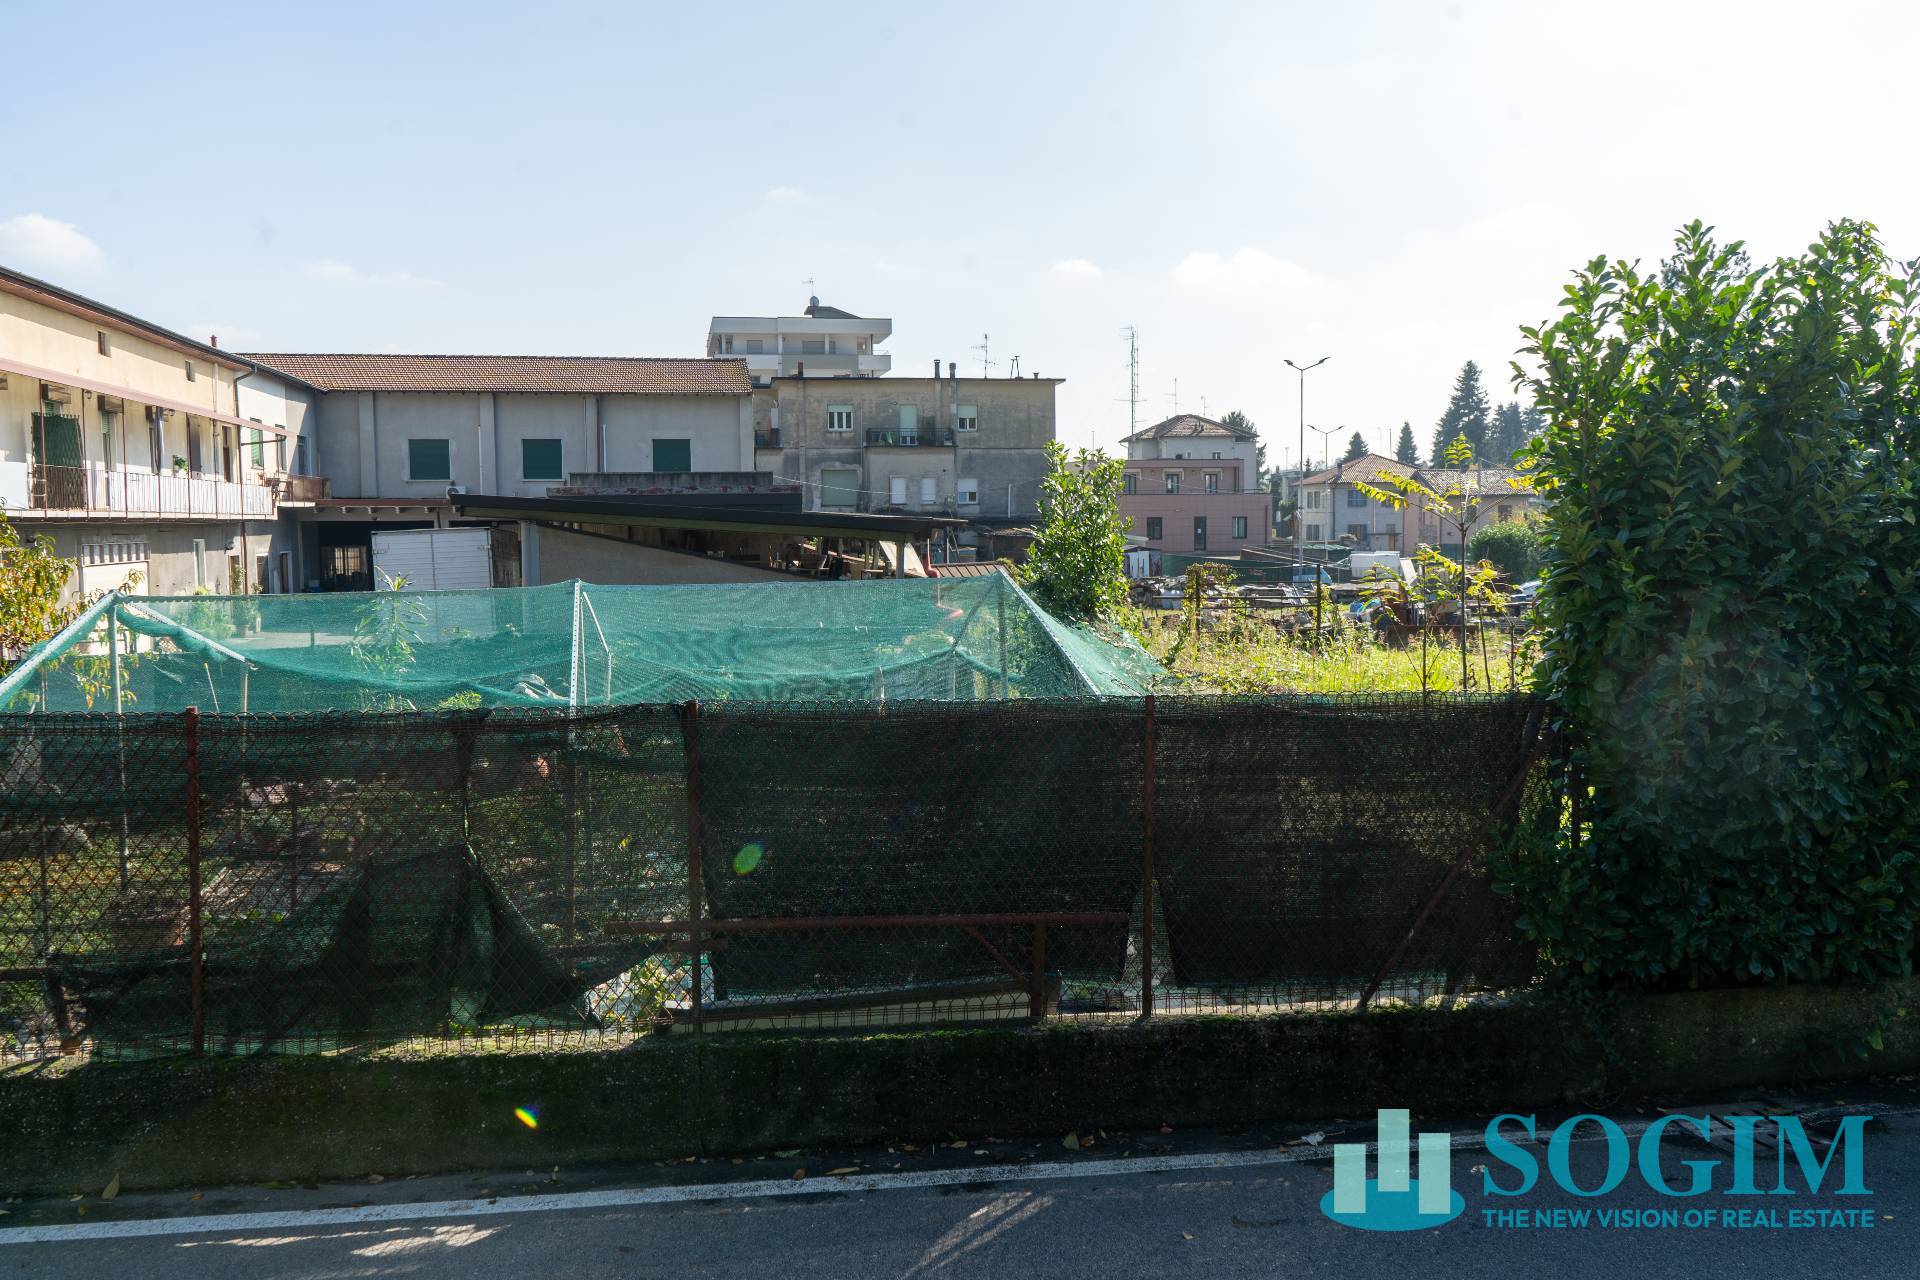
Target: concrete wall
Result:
[[564, 555], [363, 437]]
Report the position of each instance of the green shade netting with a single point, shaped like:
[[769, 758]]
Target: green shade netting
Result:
[[573, 644]]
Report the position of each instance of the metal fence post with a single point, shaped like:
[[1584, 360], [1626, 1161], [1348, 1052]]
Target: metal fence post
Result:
[[690, 731], [1146, 867], [197, 978]]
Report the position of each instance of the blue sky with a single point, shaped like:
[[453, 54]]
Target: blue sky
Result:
[[1398, 185]]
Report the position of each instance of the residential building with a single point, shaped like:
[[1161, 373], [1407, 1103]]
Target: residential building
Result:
[[823, 342], [1192, 485], [398, 433], [968, 447], [139, 450], [1333, 508]]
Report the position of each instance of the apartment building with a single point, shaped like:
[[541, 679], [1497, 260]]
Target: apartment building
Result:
[[968, 447], [822, 342], [1192, 485], [1334, 509], [140, 451]]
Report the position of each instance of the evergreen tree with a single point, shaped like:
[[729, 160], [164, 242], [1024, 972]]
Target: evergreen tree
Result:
[[1509, 433], [1468, 414], [1356, 449], [1408, 451]]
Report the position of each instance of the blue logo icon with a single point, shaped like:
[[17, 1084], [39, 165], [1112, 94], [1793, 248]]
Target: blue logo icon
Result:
[[1394, 1200]]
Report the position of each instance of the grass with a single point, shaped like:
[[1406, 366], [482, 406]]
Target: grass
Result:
[[1242, 652]]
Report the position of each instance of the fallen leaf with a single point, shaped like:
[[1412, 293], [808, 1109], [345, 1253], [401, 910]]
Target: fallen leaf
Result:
[[960, 1145], [983, 1153], [196, 1195], [1071, 1142], [799, 1174], [788, 1154], [1186, 1235], [376, 1177], [908, 1146], [842, 1171], [1314, 1139], [112, 1189]]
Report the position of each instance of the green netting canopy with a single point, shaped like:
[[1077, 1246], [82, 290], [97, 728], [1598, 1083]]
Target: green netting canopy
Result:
[[571, 644]]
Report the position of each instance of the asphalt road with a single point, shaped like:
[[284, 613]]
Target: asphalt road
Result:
[[1201, 1204]]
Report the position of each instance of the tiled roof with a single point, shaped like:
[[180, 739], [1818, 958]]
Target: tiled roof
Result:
[[1490, 482], [1367, 469], [1189, 424], [580, 375]]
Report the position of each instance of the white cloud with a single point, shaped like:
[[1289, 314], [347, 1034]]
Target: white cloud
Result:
[[786, 195], [36, 240], [1247, 270], [335, 272], [1075, 271]]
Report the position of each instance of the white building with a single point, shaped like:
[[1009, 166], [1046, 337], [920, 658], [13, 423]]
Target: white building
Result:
[[825, 342]]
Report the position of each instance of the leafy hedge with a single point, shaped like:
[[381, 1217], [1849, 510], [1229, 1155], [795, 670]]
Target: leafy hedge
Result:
[[1732, 589]]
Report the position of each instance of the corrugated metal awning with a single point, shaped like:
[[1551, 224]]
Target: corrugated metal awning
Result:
[[10, 365]]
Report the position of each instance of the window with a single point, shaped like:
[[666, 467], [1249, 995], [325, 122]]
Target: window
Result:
[[966, 418], [1216, 455], [1239, 528], [1313, 533], [429, 460], [1154, 527], [673, 455], [1358, 532], [839, 488], [1355, 498], [119, 551], [1127, 484], [189, 368], [154, 442], [300, 456], [109, 428], [1313, 499], [897, 490], [1210, 481], [1173, 482], [1199, 533], [755, 347], [257, 448], [199, 562], [839, 417], [966, 492], [541, 460], [909, 423], [1506, 512], [726, 344], [100, 341], [929, 489]]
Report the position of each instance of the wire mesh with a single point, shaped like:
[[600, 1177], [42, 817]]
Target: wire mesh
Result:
[[182, 883]]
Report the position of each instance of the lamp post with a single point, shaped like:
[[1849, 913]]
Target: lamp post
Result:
[[1299, 521]]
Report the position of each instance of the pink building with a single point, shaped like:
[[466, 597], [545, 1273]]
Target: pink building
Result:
[[1191, 487]]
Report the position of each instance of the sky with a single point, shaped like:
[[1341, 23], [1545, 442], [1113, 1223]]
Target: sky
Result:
[[1398, 186]]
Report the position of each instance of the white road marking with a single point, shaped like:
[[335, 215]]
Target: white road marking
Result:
[[629, 1197]]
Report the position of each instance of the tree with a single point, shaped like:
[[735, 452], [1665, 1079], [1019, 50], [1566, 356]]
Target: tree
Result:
[[31, 580], [1356, 449], [1408, 451], [1513, 425], [1468, 414], [1077, 564], [1512, 547]]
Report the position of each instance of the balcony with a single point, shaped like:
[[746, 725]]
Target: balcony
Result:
[[302, 489], [891, 438], [767, 438], [98, 492]]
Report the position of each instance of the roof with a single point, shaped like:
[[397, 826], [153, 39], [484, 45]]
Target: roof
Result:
[[25, 286], [817, 312], [653, 512], [1367, 469], [966, 569], [580, 375], [1477, 481], [1190, 424]]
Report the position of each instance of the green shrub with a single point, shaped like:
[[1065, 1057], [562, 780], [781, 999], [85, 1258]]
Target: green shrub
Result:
[[1513, 548], [1077, 564], [1731, 596]]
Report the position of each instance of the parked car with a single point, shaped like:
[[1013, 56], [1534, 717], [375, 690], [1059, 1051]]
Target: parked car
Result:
[[1523, 596]]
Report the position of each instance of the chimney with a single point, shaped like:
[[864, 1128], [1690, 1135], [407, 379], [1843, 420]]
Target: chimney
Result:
[[936, 368], [952, 371], [213, 339], [800, 368]]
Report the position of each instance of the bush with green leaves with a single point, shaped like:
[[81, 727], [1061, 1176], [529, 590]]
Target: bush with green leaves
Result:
[[1731, 599], [1513, 547], [1077, 564]]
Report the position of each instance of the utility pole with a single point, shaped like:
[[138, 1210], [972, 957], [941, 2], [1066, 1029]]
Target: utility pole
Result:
[[1299, 490]]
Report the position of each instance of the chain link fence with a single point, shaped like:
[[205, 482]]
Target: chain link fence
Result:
[[182, 883]]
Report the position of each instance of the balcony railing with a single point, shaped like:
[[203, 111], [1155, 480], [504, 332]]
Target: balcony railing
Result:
[[890, 438], [766, 438], [293, 488], [96, 490]]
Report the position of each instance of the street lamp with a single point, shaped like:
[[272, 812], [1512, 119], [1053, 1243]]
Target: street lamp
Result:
[[1299, 524], [1326, 447]]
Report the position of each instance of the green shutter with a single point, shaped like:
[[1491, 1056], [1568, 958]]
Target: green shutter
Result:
[[429, 460], [673, 455], [540, 460]]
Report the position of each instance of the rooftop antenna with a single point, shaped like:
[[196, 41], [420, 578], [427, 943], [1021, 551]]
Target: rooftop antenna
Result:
[[984, 350], [1204, 411], [813, 294], [1174, 396], [1013, 367], [1133, 378]]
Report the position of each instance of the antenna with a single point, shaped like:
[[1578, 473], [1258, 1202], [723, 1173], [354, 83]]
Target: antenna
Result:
[[1174, 396], [1204, 411], [1133, 378], [984, 350], [809, 283], [1013, 367]]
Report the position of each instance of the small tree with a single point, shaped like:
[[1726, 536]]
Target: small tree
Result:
[[31, 580], [1356, 449], [1469, 414], [1077, 564], [1408, 450]]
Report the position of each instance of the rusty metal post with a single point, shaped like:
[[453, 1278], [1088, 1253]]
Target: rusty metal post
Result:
[[1146, 867], [197, 977], [690, 731], [1037, 990]]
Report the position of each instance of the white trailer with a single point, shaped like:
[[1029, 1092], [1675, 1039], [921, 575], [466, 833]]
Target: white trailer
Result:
[[434, 559]]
